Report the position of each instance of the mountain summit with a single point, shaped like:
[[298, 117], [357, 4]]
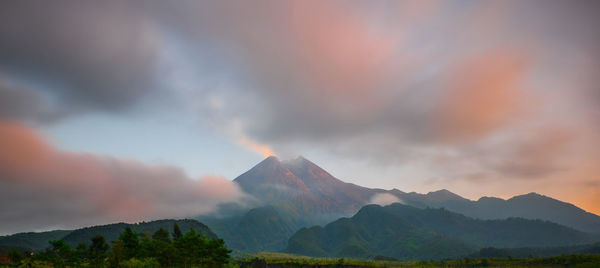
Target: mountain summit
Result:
[[291, 194], [302, 188], [297, 193], [267, 177]]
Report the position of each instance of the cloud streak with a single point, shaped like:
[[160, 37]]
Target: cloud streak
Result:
[[384, 199], [42, 187]]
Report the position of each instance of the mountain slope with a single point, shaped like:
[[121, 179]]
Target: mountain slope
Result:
[[539, 207], [303, 189], [303, 194], [405, 232], [529, 206], [111, 232], [290, 194], [32, 240], [259, 229]]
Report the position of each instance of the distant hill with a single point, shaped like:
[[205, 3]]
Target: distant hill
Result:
[[404, 232], [111, 232], [529, 206], [300, 194], [304, 189], [260, 229], [32, 240]]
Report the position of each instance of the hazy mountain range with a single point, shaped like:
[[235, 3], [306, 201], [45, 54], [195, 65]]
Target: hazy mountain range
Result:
[[297, 193], [298, 207], [405, 232], [302, 188]]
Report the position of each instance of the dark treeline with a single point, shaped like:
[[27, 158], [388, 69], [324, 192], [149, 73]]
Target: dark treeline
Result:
[[132, 249]]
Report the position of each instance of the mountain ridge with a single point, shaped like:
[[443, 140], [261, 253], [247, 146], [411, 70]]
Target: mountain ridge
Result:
[[406, 232], [299, 194], [111, 232], [302, 187]]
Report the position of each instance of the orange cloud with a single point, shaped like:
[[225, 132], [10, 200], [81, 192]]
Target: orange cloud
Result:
[[21, 149], [300, 46], [484, 94], [540, 152], [261, 149], [43, 187], [336, 49]]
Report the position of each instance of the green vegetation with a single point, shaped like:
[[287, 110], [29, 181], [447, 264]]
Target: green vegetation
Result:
[[537, 252], [259, 229], [111, 232], [298, 193], [32, 240], [132, 249], [407, 233], [281, 260]]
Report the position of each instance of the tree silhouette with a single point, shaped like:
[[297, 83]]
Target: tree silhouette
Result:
[[217, 252], [132, 249], [130, 242], [161, 235], [176, 231], [98, 249]]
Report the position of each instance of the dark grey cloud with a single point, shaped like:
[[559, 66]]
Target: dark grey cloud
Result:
[[83, 55], [466, 89], [22, 103]]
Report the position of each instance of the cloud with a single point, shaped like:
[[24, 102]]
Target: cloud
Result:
[[384, 199], [536, 156], [406, 91], [484, 94], [81, 55], [255, 147], [41, 187], [450, 90], [25, 104]]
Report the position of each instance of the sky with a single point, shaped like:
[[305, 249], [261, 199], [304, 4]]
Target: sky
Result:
[[135, 110]]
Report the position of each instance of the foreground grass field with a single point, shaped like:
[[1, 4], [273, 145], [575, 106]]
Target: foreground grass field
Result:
[[272, 259], [280, 260]]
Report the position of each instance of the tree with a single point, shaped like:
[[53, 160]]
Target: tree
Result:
[[98, 249], [117, 254], [60, 254], [162, 248], [15, 256], [164, 252], [192, 248], [217, 252], [161, 235], [99, 245], [146, 249], [130, 242], [81, 252], [176, 232]]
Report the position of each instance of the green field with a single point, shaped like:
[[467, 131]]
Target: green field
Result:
[[272, 259], [281, 260]]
